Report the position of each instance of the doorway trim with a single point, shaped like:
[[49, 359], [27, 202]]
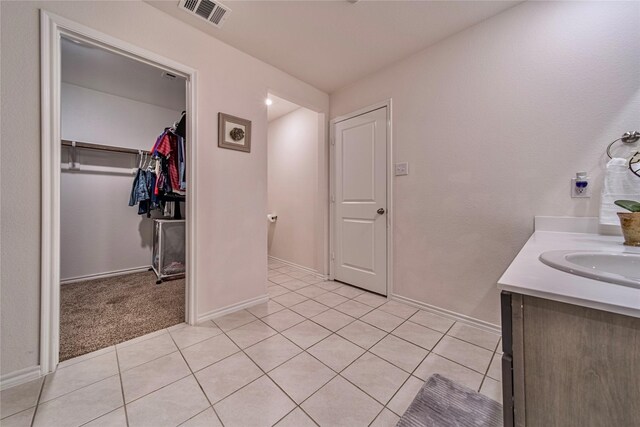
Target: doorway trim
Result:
[[332, 187], [52, 28]]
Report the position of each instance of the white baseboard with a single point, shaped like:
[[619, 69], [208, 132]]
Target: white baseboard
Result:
[[300, 267], [105, 274], [21, 376], [219, 312], [481, 324]]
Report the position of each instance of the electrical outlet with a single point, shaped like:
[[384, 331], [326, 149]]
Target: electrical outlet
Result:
[[580, 188], [401, 169]]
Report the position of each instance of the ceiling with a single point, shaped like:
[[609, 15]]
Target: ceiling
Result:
[[330, 44], [279, 107], [98, 69]]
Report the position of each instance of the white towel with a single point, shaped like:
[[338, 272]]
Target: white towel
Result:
[[619, 184]]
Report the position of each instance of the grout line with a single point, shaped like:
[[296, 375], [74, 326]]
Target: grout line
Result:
[[124, 402], [35, 411], [196, 379]]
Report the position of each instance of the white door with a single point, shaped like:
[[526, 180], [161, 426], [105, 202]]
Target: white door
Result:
[[360, 247]]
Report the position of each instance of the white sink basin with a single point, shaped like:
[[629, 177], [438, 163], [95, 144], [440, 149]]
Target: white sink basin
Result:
[[612, 267]]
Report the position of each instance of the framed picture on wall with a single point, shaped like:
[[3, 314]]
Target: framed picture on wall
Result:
[[234, 133]]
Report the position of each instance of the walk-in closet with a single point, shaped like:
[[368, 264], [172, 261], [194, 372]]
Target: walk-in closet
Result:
[[122, 198]]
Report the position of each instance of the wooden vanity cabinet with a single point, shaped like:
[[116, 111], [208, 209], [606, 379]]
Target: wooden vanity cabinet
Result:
[[566, 365]]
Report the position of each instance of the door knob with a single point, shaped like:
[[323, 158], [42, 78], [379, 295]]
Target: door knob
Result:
[[381, 211]]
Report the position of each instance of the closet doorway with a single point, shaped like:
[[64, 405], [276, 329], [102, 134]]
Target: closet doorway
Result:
[[297, 189], [117, 163]]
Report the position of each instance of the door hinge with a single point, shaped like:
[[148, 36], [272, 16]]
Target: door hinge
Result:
[[333, 141], [333, 198], [333, 256]]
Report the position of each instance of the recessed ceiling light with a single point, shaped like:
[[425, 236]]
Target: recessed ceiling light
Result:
[[268, 101]]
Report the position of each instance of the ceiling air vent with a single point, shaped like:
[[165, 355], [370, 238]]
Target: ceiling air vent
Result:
[[213, 12]]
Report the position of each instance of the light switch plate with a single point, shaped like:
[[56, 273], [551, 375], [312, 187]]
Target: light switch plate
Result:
[[402, 169]]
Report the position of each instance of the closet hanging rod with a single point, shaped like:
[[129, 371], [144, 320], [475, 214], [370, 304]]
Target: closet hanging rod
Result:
[[102, 147]]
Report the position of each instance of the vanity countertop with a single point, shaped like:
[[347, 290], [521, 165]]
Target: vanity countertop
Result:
[[529, 276]]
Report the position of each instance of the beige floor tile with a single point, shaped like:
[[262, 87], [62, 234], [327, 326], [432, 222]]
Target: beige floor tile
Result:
[[479, 337], [276, 290], [403, 398], [145, 351], [295, 285], [311, 279], [401, 353], [433, 321], [115, 418], [206, 418], [290, 299], [261, 403], [283, 320], [333, 320], [330, 299], [265, 309], [251, 333], [210, 351], [273, 272], [312, 291], [385, 419], [275, 264], [21, 419], [73, 377], [234, 320], [399, 309], [348, 291], [340, 404], [375, 376], [142, 338], [280, 279], [20, 397], [329, 285], [435, 364], [84, 357], [223, 378], [336, 352], [296, 418], [354, 308], [81, 406], [272, 352], [306, 334], [382, 319], [206, 323], [298, 274], [151, 376], [371, 300], [309, 308], [286, 269], [301, 376], [419, 335], [495, 368], [170, 405], [469, 355], [362, 334], [492, 389], [191, 335]]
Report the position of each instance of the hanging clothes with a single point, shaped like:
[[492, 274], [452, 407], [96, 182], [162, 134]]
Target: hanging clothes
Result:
[[164, 179]]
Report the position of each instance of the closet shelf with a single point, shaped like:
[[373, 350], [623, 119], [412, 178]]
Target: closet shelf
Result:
[[102, 147]]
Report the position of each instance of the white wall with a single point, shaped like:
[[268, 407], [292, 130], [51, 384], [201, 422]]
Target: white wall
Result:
[[231, 230], [293, 188], [99, 231], [494, 121]]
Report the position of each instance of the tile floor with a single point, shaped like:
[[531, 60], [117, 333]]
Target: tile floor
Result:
[[318, 353]]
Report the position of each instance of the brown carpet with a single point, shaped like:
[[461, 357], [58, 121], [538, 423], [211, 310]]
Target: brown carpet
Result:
[[99, 313]]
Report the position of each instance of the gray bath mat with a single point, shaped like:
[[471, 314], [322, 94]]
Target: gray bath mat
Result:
[[443, 403]]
